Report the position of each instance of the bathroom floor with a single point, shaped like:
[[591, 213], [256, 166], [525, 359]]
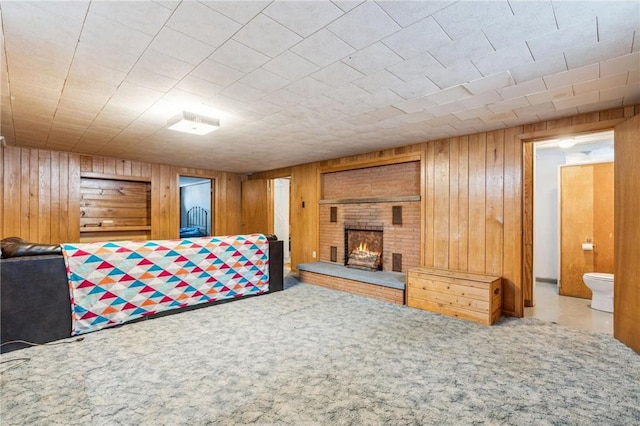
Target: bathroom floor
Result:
[[569, 311]]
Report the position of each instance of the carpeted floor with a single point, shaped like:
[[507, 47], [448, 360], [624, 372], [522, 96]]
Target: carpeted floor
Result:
[[310, 355]]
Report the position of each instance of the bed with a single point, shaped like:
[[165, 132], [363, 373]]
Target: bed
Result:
[[197, 223]]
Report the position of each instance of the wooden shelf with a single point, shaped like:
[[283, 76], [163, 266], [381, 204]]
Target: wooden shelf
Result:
[[372, 200], [114, 228], [115, 177]]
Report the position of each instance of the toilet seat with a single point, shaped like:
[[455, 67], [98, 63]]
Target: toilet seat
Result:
[[600, 275]]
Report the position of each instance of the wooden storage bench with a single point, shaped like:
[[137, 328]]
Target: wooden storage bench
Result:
[[462, 295]]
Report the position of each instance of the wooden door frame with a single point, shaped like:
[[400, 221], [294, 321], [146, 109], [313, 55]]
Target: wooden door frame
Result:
[[527, 140]]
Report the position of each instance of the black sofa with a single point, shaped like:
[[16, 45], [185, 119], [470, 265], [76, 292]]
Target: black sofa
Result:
[[34, 297]]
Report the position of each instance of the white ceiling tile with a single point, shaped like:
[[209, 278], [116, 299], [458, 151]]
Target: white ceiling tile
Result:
[[337, 74], [112, 59], [162, 64], [133, 97], [264, 80], [418, 38], [541, 67], [416, 67], [290, 66], [202, 23], [483, 99], [415, 105], [225, 103], [347, 5], [567, 13], [263, 107], [147, 17], [88, 91], [620, 64], [239, 56], [243, 92], [304, 17], [492, 82], [449, 95], [478, 112], [199, 86], [372, 24], [472, 46], [351, 109], [168, 4], [415, 88], [588, 53], [578, 75], [600, 106], [601, 84], [382, 79], [18, 65], [532, 111], [550, 95], [576, 101], [31, 78], [382, 98], [373, 58], [532, 19], [460, 18], [240, 11], [283, 98], [630, 91], [522, 89], [217, 73], [145, 78], [266, 36], [347, 93], [120, 37], [307, 87], [460, 73], [416, 117], [322, 48], [633, 77], [504, 59], [564, 39], [508, 105], [406, 12], [180, 46], [176, 100]]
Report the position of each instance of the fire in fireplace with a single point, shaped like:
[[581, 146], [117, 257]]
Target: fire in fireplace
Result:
[[363, 249]]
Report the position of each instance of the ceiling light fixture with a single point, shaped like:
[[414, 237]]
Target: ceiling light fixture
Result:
[[566, 143], [196, 124]]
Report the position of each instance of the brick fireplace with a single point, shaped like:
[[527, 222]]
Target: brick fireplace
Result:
[[382, 203]]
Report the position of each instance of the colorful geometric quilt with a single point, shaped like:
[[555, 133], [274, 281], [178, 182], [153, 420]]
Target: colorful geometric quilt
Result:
[[114, 282]]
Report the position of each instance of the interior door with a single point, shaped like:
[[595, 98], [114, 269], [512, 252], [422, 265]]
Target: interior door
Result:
[[626, 291], [586, 216], [257, 206]]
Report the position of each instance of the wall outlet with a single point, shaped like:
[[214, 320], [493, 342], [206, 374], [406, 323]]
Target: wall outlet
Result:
[[313, 254]]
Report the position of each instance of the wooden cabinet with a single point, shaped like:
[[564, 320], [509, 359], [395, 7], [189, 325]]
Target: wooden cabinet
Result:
[[114, 207], [463, 295]]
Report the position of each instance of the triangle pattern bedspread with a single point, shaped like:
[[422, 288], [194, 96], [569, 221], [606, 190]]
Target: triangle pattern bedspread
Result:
[[114, 282]]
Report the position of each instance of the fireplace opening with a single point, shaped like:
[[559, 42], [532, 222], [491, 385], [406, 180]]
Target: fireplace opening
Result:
[[363, 249]]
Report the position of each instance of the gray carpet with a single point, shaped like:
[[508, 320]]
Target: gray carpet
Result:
[[310, 355]]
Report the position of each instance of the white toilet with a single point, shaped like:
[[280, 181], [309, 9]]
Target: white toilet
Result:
[[601, 286]]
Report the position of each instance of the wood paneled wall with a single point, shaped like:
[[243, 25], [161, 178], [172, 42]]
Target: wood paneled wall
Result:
[[40, 194], [626, 318], [472, 196]]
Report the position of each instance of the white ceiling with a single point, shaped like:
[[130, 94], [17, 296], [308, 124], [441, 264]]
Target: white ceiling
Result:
[[300, 81]]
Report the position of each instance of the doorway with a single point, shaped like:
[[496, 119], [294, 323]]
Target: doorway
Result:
[[549, 158], [281, 215], [196, 218]]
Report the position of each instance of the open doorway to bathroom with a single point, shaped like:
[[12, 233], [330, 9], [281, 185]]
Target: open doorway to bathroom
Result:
[[196, 218], [568, 183]]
